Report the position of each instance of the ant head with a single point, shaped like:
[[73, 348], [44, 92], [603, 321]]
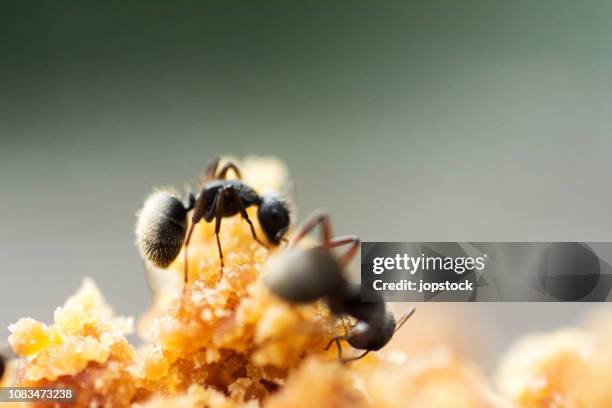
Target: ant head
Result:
[[161, 227], [302, 276], [273, 215], [373, 335]]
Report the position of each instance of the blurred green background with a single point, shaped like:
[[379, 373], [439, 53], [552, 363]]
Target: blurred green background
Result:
[[431, 120]]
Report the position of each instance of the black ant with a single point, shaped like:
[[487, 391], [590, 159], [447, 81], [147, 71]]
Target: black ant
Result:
[[305, 275], [161, 229]]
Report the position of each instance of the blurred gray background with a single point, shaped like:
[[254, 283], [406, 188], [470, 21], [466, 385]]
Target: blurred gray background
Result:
[[408, 121]]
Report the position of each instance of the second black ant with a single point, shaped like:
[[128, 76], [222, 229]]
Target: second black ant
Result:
[[306, 275]]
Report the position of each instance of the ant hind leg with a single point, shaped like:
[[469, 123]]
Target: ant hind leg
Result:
[[310, 223], [226, 167], [342, 359], [210, 169]]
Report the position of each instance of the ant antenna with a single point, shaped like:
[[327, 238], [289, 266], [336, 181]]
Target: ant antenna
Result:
[[403, 319]]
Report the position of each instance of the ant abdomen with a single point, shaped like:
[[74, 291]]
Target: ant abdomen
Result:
[[161, 228], [302, 276]]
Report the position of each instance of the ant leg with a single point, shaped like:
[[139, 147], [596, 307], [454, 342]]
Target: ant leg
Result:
[[219, 247], [243, 213], [310, 223], [403, 319], [339, 349], [229, 166], [218, 217], [210, 168], [359, 357], [336, 340], [198, 206], [350, 253], [186, 257]]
